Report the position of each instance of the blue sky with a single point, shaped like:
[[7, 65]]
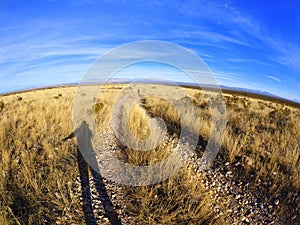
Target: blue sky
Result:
[[245, 43]]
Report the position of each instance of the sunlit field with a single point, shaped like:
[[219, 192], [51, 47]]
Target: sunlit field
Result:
[[258, 164]]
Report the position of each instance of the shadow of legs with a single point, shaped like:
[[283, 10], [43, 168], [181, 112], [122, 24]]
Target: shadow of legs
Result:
[[86, 194], [84, 140], [107, 204], [85, 190]]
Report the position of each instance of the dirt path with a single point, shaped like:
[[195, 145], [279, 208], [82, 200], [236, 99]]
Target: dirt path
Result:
[[104, 203], [246, 203]]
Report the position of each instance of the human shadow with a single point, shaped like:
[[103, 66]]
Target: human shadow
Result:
[[85, 151]]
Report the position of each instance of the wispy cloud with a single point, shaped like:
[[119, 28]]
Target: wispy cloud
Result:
[[229, 40], [274, 78], [248, 60], [38, 48], [211, 37], [290, 57], [244, 30]]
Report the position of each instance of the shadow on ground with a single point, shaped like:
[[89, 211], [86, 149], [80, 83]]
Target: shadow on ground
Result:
[[83, 134]]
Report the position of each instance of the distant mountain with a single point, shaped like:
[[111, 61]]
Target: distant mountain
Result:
[[126, 81], [266, 93], [296, 100], [245, 90]]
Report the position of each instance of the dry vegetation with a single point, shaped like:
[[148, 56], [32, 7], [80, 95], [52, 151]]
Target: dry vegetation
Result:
[[39, 170]]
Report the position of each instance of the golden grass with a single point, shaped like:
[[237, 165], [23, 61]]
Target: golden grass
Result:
[[38, 170]]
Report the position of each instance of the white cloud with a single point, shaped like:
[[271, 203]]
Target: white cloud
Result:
[[274, 78], [245, 30], [291, 57], [211, 37]]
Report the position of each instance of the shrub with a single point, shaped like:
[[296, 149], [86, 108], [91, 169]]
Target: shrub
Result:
[[1, 105], [58, 96], [261, 105], [98, 106]]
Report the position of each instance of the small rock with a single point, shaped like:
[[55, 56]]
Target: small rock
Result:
[[57, 195], [237, 164], [238, 197], [245, 219], [229, 173]]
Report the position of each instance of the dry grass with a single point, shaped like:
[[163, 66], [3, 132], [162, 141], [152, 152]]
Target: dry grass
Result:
[[38, 170], [182, 199]]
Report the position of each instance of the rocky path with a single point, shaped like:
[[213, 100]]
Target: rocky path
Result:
[[243, 204], [104, 203], [245, 201]]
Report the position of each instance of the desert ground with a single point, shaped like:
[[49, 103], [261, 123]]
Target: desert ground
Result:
[[44, 179]]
